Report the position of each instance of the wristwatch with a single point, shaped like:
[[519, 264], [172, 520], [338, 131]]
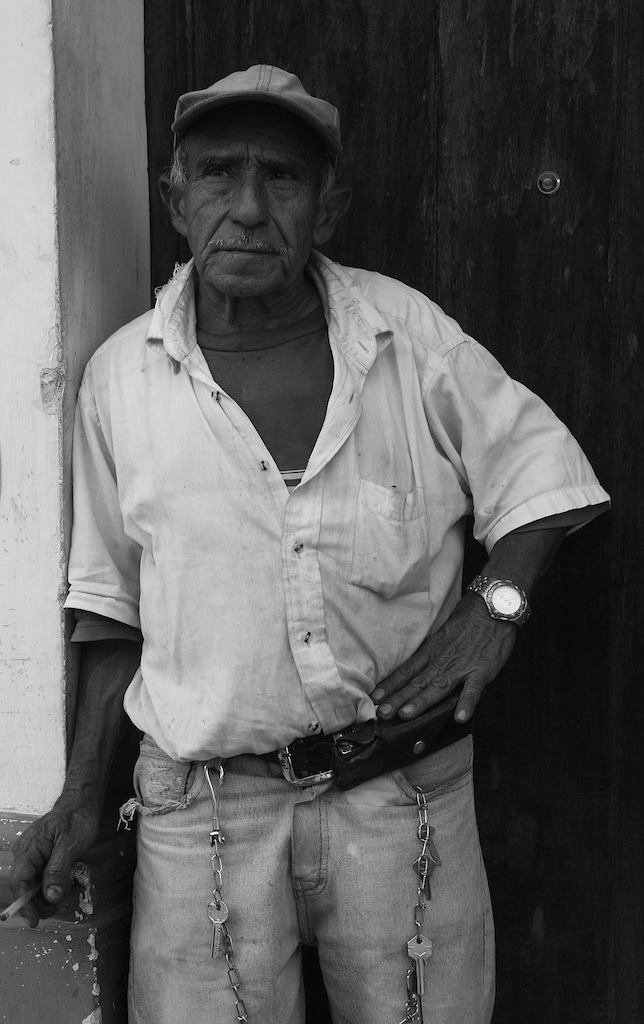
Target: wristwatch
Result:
[[503, 598]]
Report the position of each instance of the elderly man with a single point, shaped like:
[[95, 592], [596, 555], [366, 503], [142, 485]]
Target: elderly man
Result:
[[272, 471]]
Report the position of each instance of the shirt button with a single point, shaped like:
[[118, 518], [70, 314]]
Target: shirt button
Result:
[[313, 726], [297, 547], [306, 638]]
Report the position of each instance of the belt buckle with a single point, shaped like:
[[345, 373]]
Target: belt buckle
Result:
[[288, 771]]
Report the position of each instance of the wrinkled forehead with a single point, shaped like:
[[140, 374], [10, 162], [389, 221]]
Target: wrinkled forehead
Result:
[[261, 124]]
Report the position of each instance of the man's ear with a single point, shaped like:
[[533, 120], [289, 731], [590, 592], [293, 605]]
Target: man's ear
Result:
[[173, 199], [334, 205]]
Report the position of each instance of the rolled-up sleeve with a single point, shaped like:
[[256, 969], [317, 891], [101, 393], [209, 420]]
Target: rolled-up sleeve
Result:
[[519, 462], [104, 562]]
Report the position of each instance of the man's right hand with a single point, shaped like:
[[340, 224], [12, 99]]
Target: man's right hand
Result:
[[49, 848]]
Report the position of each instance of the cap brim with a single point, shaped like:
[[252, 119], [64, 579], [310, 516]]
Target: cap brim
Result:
[[199, 110]]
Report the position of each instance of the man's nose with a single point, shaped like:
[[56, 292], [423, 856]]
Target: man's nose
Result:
[[249, 204]]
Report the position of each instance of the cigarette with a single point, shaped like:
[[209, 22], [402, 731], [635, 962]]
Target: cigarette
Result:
[[18, 904]]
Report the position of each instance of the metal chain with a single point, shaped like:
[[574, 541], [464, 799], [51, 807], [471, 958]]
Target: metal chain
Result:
[[424, 865], [217, 907], [413, 1009]]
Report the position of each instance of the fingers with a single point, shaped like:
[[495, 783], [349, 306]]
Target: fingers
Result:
[[405, 674], [421, 694], [21, 901], [426, 678], [59, 873], [415, 698], [44, 853], [45, 901], [24, 879], [469, 649], [470, 696]]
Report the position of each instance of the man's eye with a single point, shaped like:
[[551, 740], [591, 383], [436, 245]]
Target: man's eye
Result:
[[215, 170]]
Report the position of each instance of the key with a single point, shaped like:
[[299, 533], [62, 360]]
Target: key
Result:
[[217, 915], [419, 949]]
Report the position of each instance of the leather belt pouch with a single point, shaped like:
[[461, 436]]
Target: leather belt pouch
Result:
[[363, 752]]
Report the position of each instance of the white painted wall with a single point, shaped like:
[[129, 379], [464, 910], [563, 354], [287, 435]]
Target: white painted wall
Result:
[[74, 265], [31, 648]]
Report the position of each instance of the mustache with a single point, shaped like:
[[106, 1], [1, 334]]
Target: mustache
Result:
[[246, 242]]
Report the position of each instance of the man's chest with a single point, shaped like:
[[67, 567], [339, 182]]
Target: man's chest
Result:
[[284, 391]]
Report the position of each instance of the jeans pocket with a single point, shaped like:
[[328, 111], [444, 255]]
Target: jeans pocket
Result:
[[161, 785], [443, 772], [390, 553]]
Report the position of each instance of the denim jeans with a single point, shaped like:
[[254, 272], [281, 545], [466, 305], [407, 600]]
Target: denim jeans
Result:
[[307, 865]]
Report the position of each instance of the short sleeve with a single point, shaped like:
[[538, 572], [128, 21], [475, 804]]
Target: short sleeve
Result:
[[519, 462], [104, 562], [90, 627]]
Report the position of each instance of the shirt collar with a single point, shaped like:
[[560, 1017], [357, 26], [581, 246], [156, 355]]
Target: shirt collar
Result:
[[359, 326], [173, 329]]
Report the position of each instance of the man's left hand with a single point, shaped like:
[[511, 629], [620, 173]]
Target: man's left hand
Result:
[[470, 648]]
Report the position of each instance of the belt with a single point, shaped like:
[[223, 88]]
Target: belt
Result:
[[306, 760], [362, 752]]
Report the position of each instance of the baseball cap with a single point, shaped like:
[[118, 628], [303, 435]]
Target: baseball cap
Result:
[[263, 83]]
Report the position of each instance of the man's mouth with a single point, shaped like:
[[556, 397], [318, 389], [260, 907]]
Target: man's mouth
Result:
[[245, 244]]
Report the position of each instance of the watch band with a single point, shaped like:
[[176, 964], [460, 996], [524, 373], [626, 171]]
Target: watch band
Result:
[[486, 586]]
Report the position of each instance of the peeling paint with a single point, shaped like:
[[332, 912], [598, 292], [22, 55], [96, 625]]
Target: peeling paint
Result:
[[44, 951], [52, 386], [95, 1017], [93, 952], [81, 875]]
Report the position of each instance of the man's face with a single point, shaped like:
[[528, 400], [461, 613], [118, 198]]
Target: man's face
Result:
[[250, 207]]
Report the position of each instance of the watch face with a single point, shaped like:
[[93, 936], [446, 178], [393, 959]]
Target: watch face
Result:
[[506, 600]]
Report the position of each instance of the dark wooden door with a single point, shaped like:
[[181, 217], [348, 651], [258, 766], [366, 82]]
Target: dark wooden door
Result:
[[452, 109]]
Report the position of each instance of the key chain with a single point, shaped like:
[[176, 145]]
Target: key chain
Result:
[[217, 909], [419, 947]]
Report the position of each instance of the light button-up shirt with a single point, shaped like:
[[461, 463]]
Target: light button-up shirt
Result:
[[268, 615]]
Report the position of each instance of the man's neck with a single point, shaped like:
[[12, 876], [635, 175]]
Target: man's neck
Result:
[[219, 315]]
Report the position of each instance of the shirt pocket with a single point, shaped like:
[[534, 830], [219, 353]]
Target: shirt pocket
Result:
[[390, 554]]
